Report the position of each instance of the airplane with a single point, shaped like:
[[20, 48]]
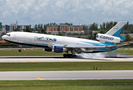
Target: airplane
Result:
[[58, 44]]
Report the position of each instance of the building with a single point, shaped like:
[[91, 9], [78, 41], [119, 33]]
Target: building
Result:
[[64, 27], [0, 25], [12, 26]]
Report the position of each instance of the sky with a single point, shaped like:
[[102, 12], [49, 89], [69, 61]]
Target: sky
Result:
[[61, 11]]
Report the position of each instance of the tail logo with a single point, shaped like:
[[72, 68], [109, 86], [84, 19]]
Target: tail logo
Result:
[[106, 37]]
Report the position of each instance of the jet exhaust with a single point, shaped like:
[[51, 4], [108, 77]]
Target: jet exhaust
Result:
[[112, 54]]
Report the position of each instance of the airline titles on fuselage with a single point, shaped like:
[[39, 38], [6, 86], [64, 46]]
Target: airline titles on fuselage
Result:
[[106, 37], [45, 39]]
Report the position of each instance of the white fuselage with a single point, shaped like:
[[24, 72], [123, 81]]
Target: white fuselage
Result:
[[48, 41]]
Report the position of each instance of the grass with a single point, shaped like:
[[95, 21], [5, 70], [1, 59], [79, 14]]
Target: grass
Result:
[[123, 52], [65, 82], [60, 66], [28, 53], [67, 85], [44, 53], [72, 88]]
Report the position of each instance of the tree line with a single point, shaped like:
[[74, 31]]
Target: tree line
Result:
[[102, 28], [105, 26]]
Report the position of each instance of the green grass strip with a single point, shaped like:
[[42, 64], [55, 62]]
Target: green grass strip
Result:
[[67, 85], [28, 53], [60, 66], [67, 82], [72, 88], [44, 53]]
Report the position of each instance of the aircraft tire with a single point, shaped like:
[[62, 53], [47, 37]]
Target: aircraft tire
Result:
[[64, 55], [75, 56], [19, 50], [69, 56]]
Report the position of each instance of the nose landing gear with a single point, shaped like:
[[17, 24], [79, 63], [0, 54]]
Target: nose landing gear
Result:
[[19, 50]]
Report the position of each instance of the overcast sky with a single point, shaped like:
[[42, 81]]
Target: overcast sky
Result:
[[60, 11]]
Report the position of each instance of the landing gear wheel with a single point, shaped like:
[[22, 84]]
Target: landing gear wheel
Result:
[[65, 55], [19, 50], [75, 56], [69, 56]]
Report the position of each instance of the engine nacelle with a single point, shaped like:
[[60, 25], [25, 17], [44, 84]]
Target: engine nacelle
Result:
[[47, 49], [58, 49], [108, 38]]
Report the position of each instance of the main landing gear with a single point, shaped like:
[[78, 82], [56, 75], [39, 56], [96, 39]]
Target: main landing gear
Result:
[[20, 48], [69, 56]]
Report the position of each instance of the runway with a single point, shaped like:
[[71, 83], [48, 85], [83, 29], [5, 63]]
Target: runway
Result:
[[10, 59], [66, 75]]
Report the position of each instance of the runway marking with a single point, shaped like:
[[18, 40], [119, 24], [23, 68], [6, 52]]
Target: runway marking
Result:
[[40, 78]]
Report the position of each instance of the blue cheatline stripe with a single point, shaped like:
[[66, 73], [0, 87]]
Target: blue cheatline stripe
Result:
[[109, 43], [93, 43], [100, 44], [105, 49]]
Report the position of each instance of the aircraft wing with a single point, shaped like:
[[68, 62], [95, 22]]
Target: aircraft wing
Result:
[[94, 47], [91, 47], [121, 45]]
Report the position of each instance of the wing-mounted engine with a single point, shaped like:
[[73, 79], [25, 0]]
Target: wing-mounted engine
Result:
[[108, 38], [58, 49]]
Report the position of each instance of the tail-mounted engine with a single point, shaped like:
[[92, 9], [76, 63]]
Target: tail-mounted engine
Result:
[[108, 38]]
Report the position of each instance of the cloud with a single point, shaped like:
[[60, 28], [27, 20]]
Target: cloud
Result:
[[75, 11], [60, 4]]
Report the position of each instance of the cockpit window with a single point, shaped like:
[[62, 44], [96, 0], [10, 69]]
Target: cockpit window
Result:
[[97, 36], [8, 34]]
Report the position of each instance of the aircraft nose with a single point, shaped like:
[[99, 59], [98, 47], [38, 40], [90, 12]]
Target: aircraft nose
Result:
[[3, 37]]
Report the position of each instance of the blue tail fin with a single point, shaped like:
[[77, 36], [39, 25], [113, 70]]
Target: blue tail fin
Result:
[[116, 30]]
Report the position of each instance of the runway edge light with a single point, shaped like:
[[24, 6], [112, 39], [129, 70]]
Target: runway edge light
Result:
[[0, 25], [95, 68]]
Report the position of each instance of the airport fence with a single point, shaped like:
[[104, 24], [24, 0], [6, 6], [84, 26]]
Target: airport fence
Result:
[[36, 85]]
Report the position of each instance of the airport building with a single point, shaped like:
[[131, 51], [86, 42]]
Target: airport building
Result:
[[64, 27], [12, 26]]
